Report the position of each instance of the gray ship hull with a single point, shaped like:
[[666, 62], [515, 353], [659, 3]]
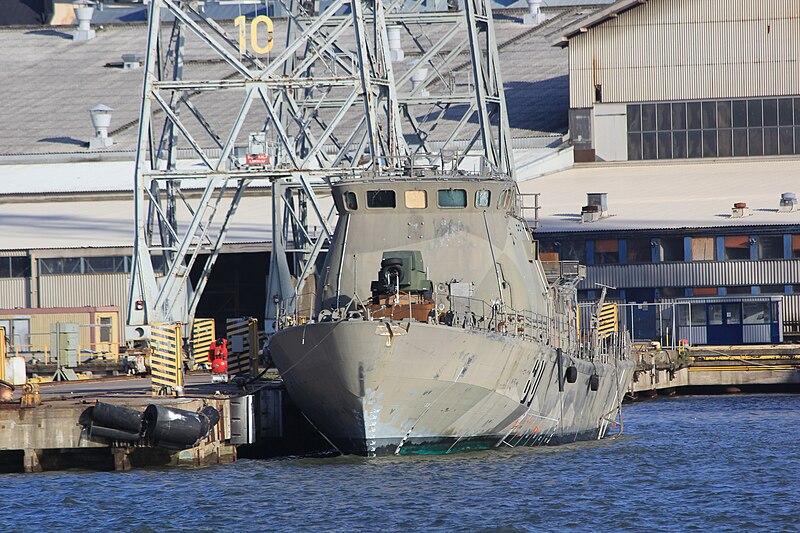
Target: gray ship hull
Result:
[[373, 388]]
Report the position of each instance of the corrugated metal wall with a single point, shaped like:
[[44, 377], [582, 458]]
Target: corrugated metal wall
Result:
[[791, 313], [86, 290], [695, 274], [13, 293], [668, 50]]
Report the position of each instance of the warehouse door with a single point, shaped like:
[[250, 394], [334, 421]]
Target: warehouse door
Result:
[[724, 323]]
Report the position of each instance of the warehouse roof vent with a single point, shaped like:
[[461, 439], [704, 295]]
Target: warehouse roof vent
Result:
[[788, 202], [596, 207], [83, 14], [740, 210], [132, 61], [101, 120]]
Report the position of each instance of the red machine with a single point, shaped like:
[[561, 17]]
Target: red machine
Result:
[[218, 357]]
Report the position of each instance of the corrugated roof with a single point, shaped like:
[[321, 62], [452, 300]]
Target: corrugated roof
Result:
[[50, 83], [110, 223], [595, 19], [669, 195]]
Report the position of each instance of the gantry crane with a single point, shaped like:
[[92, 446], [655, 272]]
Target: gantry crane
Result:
[[330, 101]]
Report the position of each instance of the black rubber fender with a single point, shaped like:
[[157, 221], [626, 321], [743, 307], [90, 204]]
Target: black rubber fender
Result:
[[572, 374]]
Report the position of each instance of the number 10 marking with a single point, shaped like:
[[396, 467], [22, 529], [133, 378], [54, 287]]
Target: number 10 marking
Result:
[[241, 23]]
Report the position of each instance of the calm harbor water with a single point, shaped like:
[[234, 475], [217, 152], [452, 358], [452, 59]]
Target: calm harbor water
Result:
[[709, 463]]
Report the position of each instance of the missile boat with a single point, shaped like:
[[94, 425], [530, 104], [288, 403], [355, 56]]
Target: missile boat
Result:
[[436, 327]]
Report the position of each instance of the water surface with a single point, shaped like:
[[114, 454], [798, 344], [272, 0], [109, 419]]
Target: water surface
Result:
[[710, 463]]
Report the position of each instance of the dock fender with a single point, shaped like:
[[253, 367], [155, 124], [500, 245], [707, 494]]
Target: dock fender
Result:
[[112, 422], [178, 429]]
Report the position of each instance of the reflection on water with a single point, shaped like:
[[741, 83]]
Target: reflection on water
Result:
[[709, 463]]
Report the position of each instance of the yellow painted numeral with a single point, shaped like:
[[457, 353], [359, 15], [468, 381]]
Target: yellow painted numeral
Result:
[[241, 23]]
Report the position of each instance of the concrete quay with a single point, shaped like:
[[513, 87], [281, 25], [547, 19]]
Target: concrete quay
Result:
[[715, 369], [254, 422]]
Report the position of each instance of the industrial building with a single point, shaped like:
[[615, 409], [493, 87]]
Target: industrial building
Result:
[[684, 118]]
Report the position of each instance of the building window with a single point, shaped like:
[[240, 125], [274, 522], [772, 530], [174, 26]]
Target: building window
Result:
[[702, 248], [606, 252], [381, 199], [770, 247], [771, 289], [94, 265], [15, 267], [704, 291], [86, 265], [60, 265], [638, 251], [694, 314], [739, 289], [755, 312], [714, 128], [671, 249], [672, 292], [795, 246], [416, 199], [574, 251], [737, 247]]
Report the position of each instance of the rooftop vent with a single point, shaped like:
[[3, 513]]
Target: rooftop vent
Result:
[[596, 207], [395, 44], [418, 77], [132, 61], [740, 210], [534, 15], [788, 202], [101, 120], [83, 14]]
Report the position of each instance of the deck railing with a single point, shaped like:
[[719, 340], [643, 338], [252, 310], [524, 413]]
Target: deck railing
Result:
[[559, 330]]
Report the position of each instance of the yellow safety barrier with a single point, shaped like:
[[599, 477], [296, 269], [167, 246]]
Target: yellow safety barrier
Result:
[[242, 346], [166, 365], [202, 338], [608, 321]]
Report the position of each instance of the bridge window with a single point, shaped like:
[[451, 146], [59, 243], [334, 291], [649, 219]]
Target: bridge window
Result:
[[482, 198], [795, 246], [452, 198], [416, 199], [350, 201], [381, 199]]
